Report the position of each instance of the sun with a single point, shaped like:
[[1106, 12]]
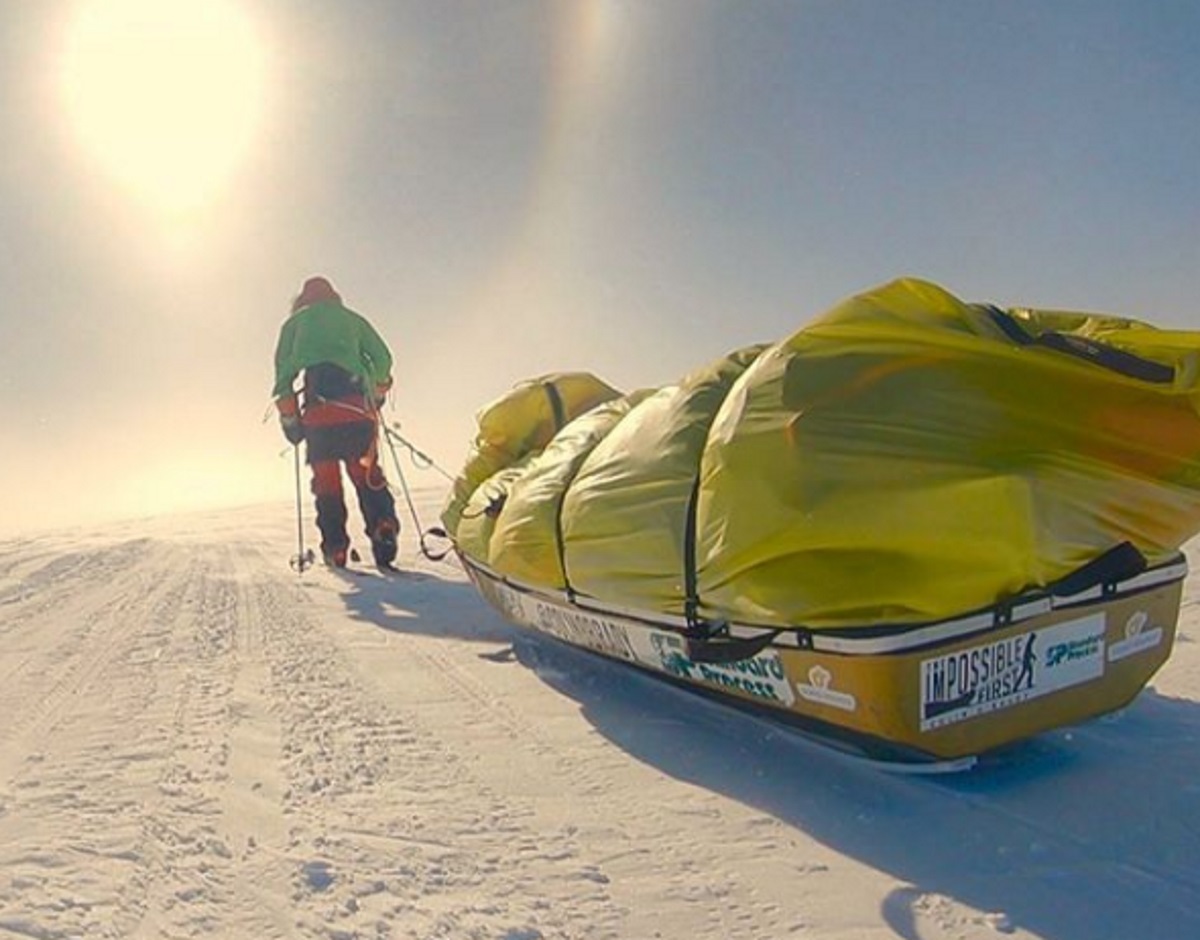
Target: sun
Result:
[[164, 95]]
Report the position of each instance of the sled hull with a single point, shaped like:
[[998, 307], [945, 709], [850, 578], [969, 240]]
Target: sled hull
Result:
[[929, 693]]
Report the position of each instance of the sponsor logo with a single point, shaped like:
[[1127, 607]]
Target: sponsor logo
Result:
[[1137, 638], [594, 632], [762, 677], [818, 690], [996, 675]]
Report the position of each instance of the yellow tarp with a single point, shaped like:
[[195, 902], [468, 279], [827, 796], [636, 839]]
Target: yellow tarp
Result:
[[521, 423], [526, 542], [905, 457]]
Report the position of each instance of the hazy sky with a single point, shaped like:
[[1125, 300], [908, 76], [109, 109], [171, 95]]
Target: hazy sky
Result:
[[509, 187]]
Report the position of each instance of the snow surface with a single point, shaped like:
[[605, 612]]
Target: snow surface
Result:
[[197, 742]]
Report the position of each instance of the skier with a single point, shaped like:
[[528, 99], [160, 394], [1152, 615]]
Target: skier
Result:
[[347, 375]]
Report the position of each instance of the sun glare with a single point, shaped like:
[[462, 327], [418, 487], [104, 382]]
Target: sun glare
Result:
[[164, 95]]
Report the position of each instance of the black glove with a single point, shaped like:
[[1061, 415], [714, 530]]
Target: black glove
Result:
[[293, 430], [379, 396]]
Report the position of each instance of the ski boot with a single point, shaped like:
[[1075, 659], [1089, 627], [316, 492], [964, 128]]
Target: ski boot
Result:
[[334, 557], [384, 544]]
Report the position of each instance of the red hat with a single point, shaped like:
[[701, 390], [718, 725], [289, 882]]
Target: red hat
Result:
[[315, 290]]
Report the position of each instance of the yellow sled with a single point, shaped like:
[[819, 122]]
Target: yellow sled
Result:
[[921, 527]]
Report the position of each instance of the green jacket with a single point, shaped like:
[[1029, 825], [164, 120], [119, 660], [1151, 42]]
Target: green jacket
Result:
[[329, 332]]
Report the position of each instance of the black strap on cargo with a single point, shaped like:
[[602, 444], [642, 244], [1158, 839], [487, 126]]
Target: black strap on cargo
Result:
[[556, 406], [1119, 563], [691, 594], [1008, 325], [1117, 360], [560, 421], [560, 543], [709, 641], [1081, 347]]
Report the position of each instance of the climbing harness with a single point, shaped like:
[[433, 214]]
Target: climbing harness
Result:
[[391, 435]]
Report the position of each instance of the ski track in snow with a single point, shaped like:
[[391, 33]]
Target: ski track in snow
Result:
[[197, 742]]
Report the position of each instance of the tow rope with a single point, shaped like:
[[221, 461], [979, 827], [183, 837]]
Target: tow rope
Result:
[[423, 462]]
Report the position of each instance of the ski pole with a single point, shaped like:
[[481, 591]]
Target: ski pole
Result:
[[302, 560]]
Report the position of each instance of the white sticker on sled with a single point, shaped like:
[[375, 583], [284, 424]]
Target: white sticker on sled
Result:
[[819, 690], [761, 677], [579, 628], [1005, 672], [1138, 639]]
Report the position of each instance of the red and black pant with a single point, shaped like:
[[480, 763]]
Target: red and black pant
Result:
[[342, 434]]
